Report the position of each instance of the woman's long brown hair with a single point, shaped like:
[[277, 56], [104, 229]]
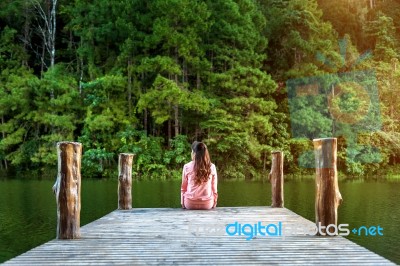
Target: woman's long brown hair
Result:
[[202, 162]]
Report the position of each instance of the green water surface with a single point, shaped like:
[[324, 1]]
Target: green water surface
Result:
[[28, 208]]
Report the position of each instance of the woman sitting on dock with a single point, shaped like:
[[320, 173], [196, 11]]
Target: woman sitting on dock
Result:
[[199, 180]]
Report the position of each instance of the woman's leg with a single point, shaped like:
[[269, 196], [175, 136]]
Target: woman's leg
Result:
[[198, 205]]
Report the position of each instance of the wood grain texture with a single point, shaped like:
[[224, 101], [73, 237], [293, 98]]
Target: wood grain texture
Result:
[[68, 189], [327, 195], [125, 181], [276, 179], [166, 236]]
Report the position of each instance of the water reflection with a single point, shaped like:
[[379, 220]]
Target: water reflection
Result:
[[28, 208]]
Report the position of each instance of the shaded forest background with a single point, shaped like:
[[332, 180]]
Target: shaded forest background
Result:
[[150, 77]]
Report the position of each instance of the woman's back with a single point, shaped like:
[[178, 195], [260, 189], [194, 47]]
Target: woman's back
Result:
[[199, 191], [199, 180]]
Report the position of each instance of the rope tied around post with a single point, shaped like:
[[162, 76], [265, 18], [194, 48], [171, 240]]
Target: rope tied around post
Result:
[[68, 189]]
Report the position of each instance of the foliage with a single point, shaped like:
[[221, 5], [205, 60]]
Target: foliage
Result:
[[150, 77]]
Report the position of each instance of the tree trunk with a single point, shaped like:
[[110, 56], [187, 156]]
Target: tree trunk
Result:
[[176, 120], [264, 163], [196, 132], [198, 80], [125, 181], [327, 196], [129, 88], [185, 71], [180, 124], [145, 119], [169, 132], [48, 30], [2, 123], [68, 190], [80, 59], [276, 179], [42, 61], [4, 136], [52, 33], [333, 118], [176, 112], [27, 30]]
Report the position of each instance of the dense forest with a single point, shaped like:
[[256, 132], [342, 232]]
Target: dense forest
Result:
[[150, 77]]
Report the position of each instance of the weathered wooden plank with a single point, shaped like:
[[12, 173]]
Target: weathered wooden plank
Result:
[[168, 236]]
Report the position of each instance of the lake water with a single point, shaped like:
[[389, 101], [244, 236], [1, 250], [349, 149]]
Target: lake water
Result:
[[28, 208]]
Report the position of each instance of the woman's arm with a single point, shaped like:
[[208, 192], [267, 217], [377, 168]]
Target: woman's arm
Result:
[[183, 186], [214, 185]]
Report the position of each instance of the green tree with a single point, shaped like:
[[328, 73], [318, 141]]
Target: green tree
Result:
[[55, 113], [16, 81], [243, 123]]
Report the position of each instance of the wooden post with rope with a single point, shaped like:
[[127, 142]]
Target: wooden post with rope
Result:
[[68, 189]]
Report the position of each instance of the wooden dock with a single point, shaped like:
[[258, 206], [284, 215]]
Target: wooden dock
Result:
[[174, 236]]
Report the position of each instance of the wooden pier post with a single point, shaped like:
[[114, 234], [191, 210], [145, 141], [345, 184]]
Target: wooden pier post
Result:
[[276, 179], [327, 194], [68, 189], [125, 181]]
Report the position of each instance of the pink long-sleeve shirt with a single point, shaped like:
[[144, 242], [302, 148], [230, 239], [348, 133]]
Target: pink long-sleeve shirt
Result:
[[199, 192]]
